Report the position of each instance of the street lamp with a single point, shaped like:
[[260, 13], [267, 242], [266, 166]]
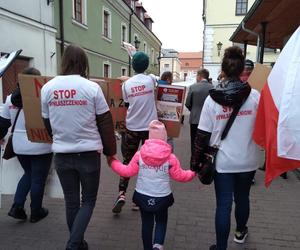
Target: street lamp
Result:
[[137, 43], [219, 47]]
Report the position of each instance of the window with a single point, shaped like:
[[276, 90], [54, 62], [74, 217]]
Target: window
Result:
[[79, 11], [145, 48], [123, 71], [106, 69], [123, 33], [152, 56], [166, 65], [241, 7], [187, 64], [106, 23]]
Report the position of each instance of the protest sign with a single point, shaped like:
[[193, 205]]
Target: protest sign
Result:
[[31, 87], [7, 60], [170, 107], [259, 76], [31, 96]]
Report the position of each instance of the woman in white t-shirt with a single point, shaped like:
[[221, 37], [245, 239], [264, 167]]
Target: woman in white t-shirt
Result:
[[75, 112], [238, 155], [35, 158]]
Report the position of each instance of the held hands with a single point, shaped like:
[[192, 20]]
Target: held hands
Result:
[[110, 159]]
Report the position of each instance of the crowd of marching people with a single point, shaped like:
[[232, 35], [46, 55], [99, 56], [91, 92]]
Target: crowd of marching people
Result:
[[221, 117]]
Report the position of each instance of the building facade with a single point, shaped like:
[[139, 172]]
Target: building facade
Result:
[[191, 62], [169, 61], [100, 28], [220, 21], [32, 30]]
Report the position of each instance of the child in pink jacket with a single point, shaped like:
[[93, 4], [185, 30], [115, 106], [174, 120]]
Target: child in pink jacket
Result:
[[154, 164]]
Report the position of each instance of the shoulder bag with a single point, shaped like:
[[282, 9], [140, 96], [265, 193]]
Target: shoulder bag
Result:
[[208, 166], [9, 150]]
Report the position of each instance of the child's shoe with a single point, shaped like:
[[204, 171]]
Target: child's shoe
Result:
[[120, 202], [135, 207], [158, 247]]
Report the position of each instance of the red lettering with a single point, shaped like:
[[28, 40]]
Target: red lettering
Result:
[[38, 86], [73, 93], [55, 94], [64, 94]]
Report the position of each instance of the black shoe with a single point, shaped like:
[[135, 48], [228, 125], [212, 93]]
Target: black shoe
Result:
[[38, 215], [83, 245], [213, 247], [284, 176], [17, 212]]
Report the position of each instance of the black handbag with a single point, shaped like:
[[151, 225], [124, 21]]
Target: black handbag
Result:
[[9, 150], [207, 167]]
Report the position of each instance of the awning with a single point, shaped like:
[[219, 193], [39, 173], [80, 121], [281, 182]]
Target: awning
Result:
[[282, 18]]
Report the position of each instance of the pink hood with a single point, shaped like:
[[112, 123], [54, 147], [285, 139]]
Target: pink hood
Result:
[[155, 152]]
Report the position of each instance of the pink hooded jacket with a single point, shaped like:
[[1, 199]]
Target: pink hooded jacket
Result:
[[154, 163]]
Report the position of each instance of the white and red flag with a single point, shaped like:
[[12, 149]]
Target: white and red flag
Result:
[[277, 126]]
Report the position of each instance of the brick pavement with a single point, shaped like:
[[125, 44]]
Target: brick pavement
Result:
[[274, 221]]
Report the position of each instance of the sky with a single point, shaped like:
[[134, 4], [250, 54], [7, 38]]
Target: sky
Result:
[[178, 24]]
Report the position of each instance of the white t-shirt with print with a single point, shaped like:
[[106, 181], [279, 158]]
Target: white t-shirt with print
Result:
[[138, 91], [71, 103], [21, 144], [237, 152]]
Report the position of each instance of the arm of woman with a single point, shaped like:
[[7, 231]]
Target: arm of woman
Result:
[[130, 170], [106, 129], [177, 173]]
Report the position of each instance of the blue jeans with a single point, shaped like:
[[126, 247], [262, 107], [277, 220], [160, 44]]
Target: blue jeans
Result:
[[77, 170], [36, 169], [161, 220], [229, 187]]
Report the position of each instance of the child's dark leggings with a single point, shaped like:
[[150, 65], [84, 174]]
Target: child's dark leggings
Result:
[[161, 219]]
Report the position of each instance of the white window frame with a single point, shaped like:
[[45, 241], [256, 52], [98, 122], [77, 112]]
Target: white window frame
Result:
[[104, 9], [82, 24], [109, 71], [126, 33], [126, 71]]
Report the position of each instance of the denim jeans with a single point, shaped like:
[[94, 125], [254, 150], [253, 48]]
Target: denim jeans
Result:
[[161, 220], [229, 187], [75, 171], [36, 169]]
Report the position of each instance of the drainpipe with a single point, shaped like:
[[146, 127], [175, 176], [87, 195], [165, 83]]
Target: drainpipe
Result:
[[258, 40], [264, 26], [130, 23], [245, 48], [61, 27]]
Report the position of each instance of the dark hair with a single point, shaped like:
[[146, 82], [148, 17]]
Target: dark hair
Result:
[[31, 71], [75, 61], [233, 62], [203, 73], [167, 75]]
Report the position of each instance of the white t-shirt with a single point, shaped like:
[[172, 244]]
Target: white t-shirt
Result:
[[237, 152], [71, 103], [138, 91], [21, 143]]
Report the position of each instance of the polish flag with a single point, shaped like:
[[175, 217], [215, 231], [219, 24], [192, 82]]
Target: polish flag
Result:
[[277, 126]]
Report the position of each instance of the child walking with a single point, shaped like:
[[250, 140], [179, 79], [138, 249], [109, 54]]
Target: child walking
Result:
[[154, 164]]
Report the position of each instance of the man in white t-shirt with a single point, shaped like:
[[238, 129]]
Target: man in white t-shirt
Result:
[[138, 94]]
